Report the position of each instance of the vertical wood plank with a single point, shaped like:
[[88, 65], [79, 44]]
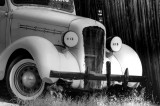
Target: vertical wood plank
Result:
[[137, 22]]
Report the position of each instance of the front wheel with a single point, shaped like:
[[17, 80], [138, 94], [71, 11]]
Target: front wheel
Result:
[[23, 80]]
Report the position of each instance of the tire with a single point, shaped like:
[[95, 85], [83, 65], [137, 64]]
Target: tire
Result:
[[23, 80]]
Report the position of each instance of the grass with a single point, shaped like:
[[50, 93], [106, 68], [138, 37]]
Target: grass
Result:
[[100, 100], [92, 101]]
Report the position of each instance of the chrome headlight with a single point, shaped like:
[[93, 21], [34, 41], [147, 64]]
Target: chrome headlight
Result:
[[114, 43], [70, 39]]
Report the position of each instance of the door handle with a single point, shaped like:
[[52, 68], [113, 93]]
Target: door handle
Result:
[[3, 14], [6, 14]]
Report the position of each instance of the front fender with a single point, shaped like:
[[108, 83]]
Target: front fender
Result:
[[43, 52], [128, 58]]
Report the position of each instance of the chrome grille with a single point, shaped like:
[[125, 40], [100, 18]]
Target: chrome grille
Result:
[[94, 50]]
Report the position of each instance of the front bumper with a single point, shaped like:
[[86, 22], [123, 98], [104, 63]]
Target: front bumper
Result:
[[96, 76]]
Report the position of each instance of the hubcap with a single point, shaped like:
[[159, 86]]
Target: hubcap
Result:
[[27, 80]]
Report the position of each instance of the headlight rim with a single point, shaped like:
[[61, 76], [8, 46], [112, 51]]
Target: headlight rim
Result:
[[65, 34]]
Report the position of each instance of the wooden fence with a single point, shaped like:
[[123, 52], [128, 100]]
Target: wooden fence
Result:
[[137, 22]]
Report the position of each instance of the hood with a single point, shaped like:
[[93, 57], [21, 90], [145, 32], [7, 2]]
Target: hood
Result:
[[43, 15]]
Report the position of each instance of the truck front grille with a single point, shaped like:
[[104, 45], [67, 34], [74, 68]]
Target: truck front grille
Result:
[[94, 49]]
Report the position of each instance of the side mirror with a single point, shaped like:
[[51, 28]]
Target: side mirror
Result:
[[2, 2], [114, 43]]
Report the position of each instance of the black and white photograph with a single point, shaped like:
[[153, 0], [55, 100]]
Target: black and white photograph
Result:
[[79, 52]]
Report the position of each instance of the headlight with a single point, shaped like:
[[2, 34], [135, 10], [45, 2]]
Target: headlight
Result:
[[70, 39], [114, 43]]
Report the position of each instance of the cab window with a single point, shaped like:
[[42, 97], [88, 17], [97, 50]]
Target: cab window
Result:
[[2, 2], [64, 5]]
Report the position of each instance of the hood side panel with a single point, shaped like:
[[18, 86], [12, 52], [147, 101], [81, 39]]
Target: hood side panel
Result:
[[22, 28], [42, 15]]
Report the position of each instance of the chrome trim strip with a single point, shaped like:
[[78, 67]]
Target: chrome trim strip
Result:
[[35, 28]]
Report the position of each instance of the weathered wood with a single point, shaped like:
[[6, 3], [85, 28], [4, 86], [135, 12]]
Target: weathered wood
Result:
[[137, 22], [78, 76], [95, 76]]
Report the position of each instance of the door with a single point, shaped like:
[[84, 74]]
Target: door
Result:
[[3, 24]]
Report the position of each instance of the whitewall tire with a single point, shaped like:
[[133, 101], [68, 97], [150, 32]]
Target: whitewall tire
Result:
[[23, 80]]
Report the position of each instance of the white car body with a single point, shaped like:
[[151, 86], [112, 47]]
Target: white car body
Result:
[[40, 31]]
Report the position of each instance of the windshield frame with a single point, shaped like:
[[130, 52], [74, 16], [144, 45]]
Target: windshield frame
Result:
[[47, 6]]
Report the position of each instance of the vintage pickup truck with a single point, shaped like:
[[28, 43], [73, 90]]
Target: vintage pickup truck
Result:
[[42, 41]]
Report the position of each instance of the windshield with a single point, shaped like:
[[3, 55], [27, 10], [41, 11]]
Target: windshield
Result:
[[64, 5]]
